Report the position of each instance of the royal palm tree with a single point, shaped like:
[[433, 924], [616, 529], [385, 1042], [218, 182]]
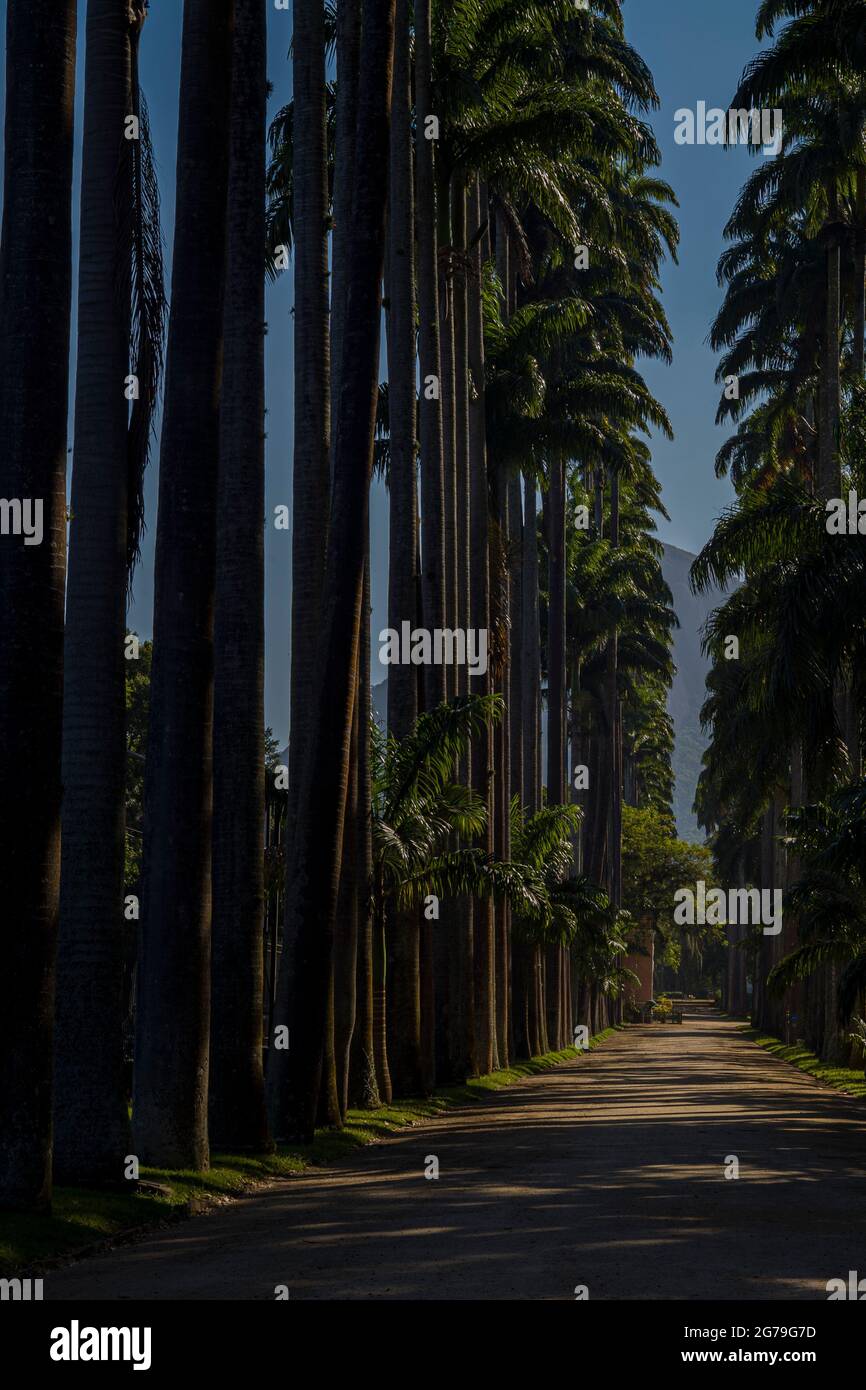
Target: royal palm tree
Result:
[[237, 1119], [403, 936], [35, 294], [120, 270], [313, 881], [173, 986]]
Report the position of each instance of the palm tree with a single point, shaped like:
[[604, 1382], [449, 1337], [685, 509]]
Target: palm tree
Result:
[[35, 294], [173, 994], [237, 1119], [120, 247], [310, 469], [313, 880], [403, 937]]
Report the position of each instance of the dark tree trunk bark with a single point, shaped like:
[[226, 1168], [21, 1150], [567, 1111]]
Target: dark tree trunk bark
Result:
[[403, 929], [91, 1119], [363, 1087], [173, 985], [237, 1102], [315, 866], [35, 297]]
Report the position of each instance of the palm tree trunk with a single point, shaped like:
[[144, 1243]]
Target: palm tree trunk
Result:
[[173, 985], [469, 1051], [312, 424], [237, 1102], [315, 867], [91, 1121], [434, 977], [346, 936], [478, 521], [403, 938], [828, 464], [501, 806], [614, 743], [531, 658], [363, 1088], [430, 420], [348, 40], [35, 298], [310, 476], [556, 705], [859, 307]]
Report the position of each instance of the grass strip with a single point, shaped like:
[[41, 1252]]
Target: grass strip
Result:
[[83, 1220], [849, 1080]]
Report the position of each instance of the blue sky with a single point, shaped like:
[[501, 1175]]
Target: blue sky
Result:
[[696, 52]]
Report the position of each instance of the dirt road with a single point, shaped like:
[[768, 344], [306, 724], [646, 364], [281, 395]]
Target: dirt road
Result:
[[607, 1173]]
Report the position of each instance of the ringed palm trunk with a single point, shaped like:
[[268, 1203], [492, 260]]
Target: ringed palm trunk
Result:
[[315, 865], [556, 707], [403, 930], [531, 706], [91, 1123], [311, 462], [173, 987], [859, 307], [348, 39], [310, 473], [35, 297], [237, 1105], [463, 990], [829, 471], [830, 486], [434, 978], [614, 750], [483, 916], [363, 1087]]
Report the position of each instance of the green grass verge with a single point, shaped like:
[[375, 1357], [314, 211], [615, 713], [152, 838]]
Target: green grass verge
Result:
[[82, 1218], [847, 1079]]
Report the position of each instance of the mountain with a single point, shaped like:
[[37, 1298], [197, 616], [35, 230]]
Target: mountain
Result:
[[687, 692]]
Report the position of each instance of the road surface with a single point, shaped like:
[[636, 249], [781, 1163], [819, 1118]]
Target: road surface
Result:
[[606, 1174]]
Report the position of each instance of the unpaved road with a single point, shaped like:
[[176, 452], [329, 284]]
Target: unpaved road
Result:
[[608, 1173]]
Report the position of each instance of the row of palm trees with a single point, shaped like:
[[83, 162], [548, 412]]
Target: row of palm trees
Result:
[[484, 172], [782, 782]]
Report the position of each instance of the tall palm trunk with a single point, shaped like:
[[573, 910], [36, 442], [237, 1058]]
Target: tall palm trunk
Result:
[[345, 984], [859, 306], [236, 1103], [556, 705], [403, 933], [91, 1123], [310, 473], [531, 707], [828, 462], [173, 993], [313, 881], [483, 916], [614, 743], [363, 1086], [311, 462], [464, 984], [35, 296], [348, 42], [434, 979], [531, 658]]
